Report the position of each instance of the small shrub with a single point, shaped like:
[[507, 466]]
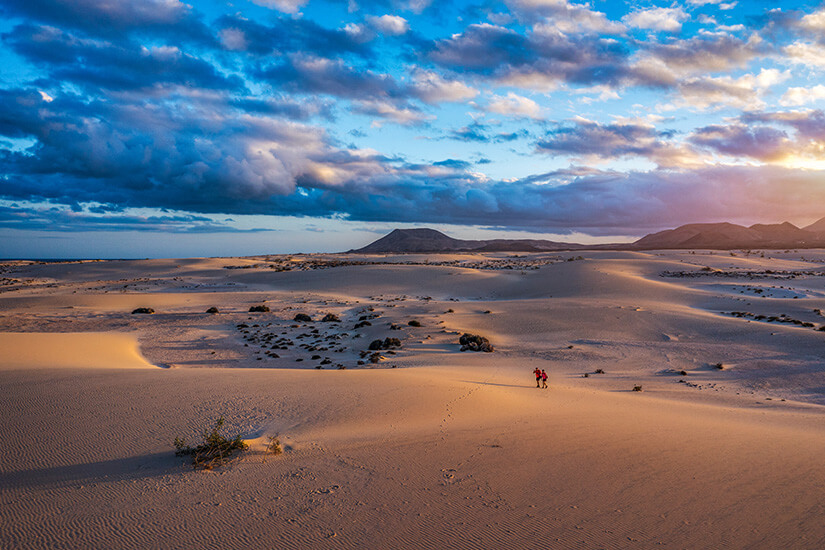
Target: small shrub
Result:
[[414, 323], [637, 388], [146, 310], [213, 310], [719, 366], [302, 318], [586, 375], [215, 450], [330, 318], [683, 373], [599, 371], [259, 309], [274, 446]]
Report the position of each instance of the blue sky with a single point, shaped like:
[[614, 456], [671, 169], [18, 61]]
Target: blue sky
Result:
[[159, 128]]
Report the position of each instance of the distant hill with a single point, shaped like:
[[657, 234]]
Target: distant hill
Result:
[[726, 236], [816, 227], [422, 240], [716, 236]]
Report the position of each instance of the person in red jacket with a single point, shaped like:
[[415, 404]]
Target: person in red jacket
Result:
[[537, 372], [543, 380]]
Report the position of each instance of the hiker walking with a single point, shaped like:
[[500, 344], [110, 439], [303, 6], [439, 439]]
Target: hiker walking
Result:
[[543, 380], [537, 372]]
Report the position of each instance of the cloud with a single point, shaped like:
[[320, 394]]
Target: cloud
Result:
[[406, 115], [285, 6], [430, 87], [744, 92], [306, 74], [738, 140], [657, 19], [586, 138], [801, 96], [805, 53], [540, 60], [100, 15], [94, 63], [287, 36], [566, 17], [514, 105], [55, 218], [393, 25]]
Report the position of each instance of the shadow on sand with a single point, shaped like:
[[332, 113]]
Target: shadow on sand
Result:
[[132, 468]]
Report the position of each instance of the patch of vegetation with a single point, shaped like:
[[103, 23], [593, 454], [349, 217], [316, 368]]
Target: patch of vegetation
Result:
[[599, 371], [637, 388], [213, 310], [146, 310], [414, 323], [330, 318], [215, 450], [259, 309], [302, 318], [274, 446]]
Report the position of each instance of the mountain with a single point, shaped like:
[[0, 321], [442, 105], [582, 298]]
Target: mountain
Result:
[[725, 236], [422, 240], [816, 227], [715, 236]]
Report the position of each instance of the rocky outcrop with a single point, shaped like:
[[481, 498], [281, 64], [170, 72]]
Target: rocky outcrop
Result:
[[474, 342]]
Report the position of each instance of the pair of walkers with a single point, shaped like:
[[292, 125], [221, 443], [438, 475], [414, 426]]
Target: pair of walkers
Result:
[[541, 378]]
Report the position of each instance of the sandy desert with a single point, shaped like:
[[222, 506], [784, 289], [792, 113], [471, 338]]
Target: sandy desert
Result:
[[422, 445]]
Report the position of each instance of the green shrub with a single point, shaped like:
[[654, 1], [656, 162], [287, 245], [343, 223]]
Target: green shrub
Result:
[[215, 450]]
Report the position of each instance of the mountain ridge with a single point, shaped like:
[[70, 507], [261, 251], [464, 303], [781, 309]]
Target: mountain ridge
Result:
[[715, 236]]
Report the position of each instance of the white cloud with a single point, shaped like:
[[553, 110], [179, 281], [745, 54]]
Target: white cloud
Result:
[[390, 24], [385, 110], [805, 53], [658, 19], [514, 105], [745, 92], [432, 88], [566, 17], [814, 21], [802, 96], [286, 6]]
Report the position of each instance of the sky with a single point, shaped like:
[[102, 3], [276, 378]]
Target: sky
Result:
[[164, 129]]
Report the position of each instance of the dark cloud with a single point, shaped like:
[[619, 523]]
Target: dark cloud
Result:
[[284, 106], [100, 64], [809, 124], [534, 58], [112, 18], [454, 163], [472, 132], [40, 218], [287, 35], [760, 142], [300, 73], [605, 140]]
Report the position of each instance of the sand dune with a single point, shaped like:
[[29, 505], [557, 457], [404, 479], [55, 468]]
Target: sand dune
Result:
[[28, 350], [428, 447]]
